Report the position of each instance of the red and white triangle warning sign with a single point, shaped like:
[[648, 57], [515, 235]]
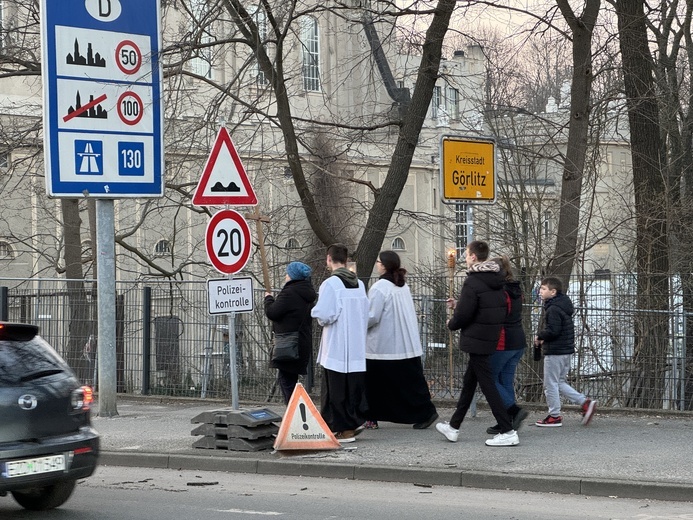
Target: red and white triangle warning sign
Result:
[[303, 428], [224, 179]]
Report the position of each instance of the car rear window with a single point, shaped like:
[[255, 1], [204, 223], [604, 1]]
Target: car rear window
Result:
[[27, 360]]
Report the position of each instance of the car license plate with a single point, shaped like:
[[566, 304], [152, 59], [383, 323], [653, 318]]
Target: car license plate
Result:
[[22, 468]]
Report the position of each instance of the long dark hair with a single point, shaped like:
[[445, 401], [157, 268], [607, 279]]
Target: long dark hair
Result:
[[506, 267], [394, 271]]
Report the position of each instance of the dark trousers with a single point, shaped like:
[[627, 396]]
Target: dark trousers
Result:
[[343, 400], [287, 382], [479, 372]]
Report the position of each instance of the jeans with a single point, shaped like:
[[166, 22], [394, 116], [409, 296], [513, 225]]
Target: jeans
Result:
[[555, 384], [503, 364]]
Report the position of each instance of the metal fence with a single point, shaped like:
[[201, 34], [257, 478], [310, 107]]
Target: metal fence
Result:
[[167, 344]]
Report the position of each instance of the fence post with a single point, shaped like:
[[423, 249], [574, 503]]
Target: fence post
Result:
[[684, 361], [426, 309], [4, 304], [146, 338]]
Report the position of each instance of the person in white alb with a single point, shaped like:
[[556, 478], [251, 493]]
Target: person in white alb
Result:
[[396, 388], [342, 311]]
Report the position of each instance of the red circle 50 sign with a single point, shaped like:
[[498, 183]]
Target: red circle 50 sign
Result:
[[228, 241]]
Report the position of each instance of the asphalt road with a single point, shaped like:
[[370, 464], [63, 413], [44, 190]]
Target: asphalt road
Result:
[[117, 493]]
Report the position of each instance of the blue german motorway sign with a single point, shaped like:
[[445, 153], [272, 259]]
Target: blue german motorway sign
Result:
[[103, 115]]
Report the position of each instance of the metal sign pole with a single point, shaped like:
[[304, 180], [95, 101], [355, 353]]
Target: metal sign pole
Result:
[[106, 294], [233, 355]]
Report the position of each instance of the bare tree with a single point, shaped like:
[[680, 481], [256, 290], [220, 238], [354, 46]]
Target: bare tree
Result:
[[672, 72], [649, 174], [582, 29], [409, 126]]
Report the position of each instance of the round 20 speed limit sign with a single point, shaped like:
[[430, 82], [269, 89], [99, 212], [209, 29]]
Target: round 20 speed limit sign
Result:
[[228, 241]]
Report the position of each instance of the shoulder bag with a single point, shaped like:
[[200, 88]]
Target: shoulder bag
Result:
[[285, 346]]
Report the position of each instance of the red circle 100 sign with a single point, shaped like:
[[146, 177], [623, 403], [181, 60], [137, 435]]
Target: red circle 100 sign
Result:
[[130, 108], [228, 241]]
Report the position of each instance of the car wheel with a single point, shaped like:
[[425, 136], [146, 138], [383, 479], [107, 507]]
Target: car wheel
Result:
[[42, 498]]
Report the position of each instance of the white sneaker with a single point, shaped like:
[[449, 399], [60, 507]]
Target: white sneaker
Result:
[[450, 433], [504, 439]]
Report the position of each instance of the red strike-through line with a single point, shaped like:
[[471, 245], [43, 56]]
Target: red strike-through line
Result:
[[84, 108]]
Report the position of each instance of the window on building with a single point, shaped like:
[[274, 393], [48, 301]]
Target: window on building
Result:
[[463, 228], [292, 243], [260, 19], [546, 225], [201, 64], [452, 102], [398, 244], [162, 247], [6, 251], [447, 99], [436, 101], [310, 55], [4, 160]]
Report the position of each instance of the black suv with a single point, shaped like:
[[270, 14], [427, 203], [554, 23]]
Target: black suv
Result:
[[46, 438]]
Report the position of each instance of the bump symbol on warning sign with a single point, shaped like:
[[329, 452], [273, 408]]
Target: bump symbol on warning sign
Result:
[[224, 179], [303, 428]]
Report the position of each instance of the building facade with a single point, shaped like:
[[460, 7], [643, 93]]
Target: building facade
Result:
[[342, 112], [345, 113]]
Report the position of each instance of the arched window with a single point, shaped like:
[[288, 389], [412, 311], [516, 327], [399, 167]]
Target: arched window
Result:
[[162, 248], [398, 244], [292, 243], [310, 54], [6, 251]]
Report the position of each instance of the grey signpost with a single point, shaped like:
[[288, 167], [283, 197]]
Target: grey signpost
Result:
[[103, 123], [227, 239]]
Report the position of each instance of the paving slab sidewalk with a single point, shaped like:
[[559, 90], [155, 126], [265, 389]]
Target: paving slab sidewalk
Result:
[[641, 455]]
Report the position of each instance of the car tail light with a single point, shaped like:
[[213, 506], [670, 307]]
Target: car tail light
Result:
[[82, 398], [17, 331]]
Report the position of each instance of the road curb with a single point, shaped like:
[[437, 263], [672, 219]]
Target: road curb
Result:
[[637, 489], [416, 476]]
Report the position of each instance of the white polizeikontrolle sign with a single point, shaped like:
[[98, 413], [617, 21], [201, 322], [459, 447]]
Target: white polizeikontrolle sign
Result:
[[230, 295], [103, 115]]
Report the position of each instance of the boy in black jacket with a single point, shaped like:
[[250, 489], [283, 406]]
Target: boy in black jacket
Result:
[[556, 337], [479, 316]]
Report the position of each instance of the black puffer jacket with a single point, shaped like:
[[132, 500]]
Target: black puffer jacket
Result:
[[481, 310], [515, 338], [556, 326], [290, 311]]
